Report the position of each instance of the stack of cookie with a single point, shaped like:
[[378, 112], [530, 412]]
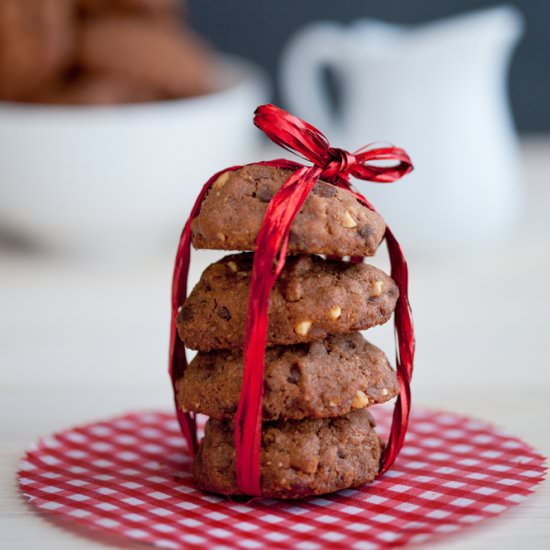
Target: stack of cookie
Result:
[[320, 374]]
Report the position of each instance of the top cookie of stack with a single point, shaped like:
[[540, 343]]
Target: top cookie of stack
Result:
[[331, 221], [320, 374]]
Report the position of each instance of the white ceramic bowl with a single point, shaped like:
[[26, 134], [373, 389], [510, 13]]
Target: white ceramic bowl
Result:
[[122, 178]]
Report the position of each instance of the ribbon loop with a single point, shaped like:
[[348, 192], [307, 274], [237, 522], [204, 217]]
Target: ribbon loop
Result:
[[300, 137]]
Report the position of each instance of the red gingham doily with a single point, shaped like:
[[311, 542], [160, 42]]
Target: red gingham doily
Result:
[[129, 476]]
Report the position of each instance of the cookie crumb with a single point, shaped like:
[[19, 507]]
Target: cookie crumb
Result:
[[348, 221], [232, 266], [221, 181], [334, 312], [377, 288], [360, 401], [302, 328]]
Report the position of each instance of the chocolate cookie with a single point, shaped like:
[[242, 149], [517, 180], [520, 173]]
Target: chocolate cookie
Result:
[[331, 220], [95, 89], [146, 7], [36, 44], [154, 53], [299, 457], [327, 378], [311, 299]]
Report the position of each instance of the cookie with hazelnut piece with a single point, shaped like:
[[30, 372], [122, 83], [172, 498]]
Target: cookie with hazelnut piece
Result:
[[326, 378], [298, 457], [311, 299], [331, 221]]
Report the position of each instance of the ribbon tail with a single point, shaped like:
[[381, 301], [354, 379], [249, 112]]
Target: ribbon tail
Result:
[[405, 349], [405, 343], [177, 357], [269, 260]]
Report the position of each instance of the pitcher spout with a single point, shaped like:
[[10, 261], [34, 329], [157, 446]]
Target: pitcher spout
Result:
[[501, 26], [504, 24]]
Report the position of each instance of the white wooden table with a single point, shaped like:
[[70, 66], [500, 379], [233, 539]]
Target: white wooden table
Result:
[[80, 341]]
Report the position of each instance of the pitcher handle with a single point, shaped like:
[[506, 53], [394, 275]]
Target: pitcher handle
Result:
[[303, 91]]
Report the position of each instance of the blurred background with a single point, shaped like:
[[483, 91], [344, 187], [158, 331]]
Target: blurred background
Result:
[[269, 26], [113, 113]]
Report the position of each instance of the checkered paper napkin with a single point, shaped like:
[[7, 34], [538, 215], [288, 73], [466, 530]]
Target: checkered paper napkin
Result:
[[129, 476]]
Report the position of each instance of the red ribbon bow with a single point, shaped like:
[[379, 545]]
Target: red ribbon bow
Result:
[[333, 165], [297, 136]]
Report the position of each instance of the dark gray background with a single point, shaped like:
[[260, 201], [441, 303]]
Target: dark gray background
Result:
[[257, 29]]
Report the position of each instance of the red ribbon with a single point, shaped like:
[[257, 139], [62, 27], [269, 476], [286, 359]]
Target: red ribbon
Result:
[[332, 165]]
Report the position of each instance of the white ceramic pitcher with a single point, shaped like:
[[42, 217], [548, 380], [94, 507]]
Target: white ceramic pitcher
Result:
[[437, 90]]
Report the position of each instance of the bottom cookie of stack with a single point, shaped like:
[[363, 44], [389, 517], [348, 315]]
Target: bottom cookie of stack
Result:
[[298, 457]]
